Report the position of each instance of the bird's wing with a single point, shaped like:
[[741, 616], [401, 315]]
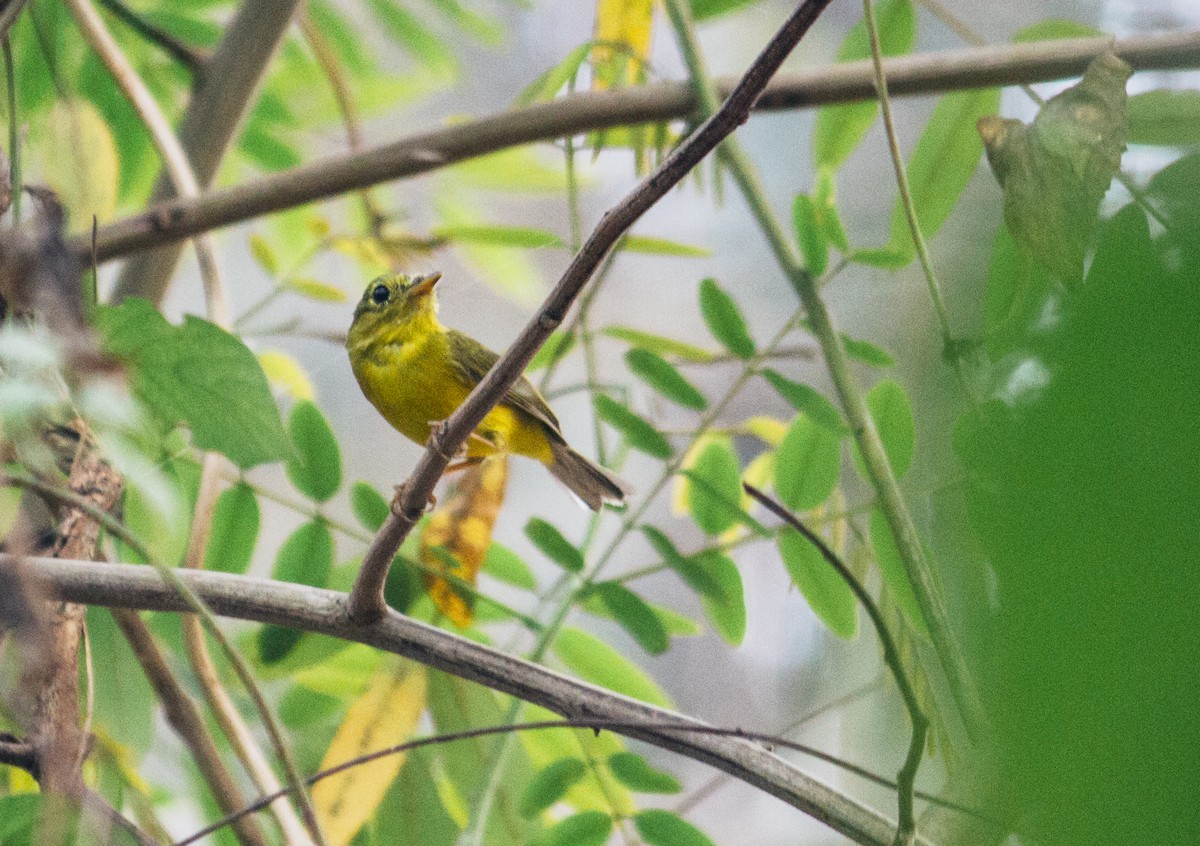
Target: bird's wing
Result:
[[473, 360]]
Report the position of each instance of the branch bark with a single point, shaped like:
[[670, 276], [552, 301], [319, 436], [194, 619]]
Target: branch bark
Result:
[[324, 611], [168, 222]]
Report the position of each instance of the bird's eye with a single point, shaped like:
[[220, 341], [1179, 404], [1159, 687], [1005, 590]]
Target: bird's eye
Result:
[[380, 294]]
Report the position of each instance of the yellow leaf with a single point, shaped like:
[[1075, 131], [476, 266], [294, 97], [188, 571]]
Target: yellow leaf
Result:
[[285, 373], [264, 254], [767, 429], [385, 715], [462, 528], [626, 23], [79, 161]]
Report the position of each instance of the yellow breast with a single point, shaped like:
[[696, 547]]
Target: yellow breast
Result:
[[414, 384]]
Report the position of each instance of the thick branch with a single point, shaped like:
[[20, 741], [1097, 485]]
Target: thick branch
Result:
[[366, 600], [169, 222], [323, 611]]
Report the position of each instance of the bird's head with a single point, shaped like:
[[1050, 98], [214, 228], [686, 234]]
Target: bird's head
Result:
[[395, 307]]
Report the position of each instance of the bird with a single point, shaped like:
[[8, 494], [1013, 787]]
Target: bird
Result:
[[416, 372]]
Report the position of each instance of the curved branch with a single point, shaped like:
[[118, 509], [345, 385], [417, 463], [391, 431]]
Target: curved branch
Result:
[[171, 221], [323, 611]]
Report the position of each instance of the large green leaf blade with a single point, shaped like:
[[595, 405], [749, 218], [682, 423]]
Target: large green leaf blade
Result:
[[637, 430], [234, 530], [664, 828], [635, 616], [807, 464], [201, 375], [665, 378], [823, 587], [315, 466], [306, 558], [595, 661], [725, 320], [547, 538], [715, 487]]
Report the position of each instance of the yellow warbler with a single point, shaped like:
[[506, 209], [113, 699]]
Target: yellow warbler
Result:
[[416, 372]]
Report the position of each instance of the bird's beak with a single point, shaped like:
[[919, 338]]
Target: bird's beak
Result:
[[425, 285]]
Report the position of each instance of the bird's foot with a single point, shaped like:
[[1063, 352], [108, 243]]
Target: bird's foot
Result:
[[397, 500], [463, 465]]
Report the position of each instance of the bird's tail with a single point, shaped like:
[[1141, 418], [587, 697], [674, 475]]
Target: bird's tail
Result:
[[591, 483]]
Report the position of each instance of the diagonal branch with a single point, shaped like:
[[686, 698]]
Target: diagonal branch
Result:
[[323, 611], [170, 221], [366, 600]]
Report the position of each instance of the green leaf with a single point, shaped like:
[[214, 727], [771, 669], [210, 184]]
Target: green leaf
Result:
[[1053, 29], [702, 10], [715, 504], [595, 661], [587, 828], [808, 400], [555, 348], [632, 771], [369, 506], [635, 616], [1165, 117], [199, 374], [809, 237], [722, 594], [867, 353], [807, 464], [658, 344], [887, 258], [676, 624], [725, 320], [306, 558], [840, 129], [640, 434], [895, 574], [664, 828], [554, 546], [526, 237], [550, 785], [892, 412], [315, 466], [661, 247], [234, 530], [503, 564], [663, 377], [824, 589], [942, 164]]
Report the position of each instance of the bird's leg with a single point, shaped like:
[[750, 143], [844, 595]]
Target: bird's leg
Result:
[[462, 465]]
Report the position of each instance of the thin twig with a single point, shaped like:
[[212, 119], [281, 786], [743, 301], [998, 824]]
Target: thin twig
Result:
[[906, 200], [595, 725], [193, 59], [170, 221], [323, 611], [906, 779], [366, 600], [14, 128]]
